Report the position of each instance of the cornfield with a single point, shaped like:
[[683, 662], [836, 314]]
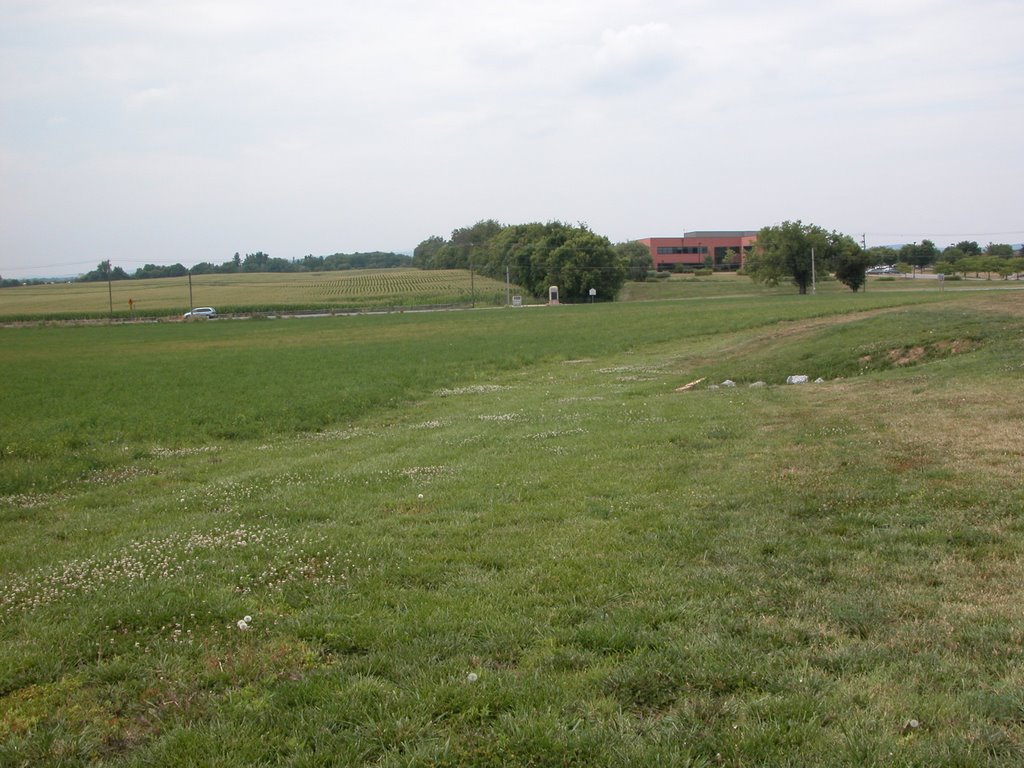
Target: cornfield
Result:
[[355, 290]]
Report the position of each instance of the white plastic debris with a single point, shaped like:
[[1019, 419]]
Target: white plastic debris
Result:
[[798, 379], [728, 383]]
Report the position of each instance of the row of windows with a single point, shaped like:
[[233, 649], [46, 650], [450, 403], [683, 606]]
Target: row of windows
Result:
[[701, 250], [673, 250]]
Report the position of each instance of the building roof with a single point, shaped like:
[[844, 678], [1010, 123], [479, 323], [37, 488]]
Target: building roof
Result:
[[721, 233]]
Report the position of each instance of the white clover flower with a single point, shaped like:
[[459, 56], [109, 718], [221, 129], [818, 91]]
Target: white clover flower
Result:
[[247, 619], [243, 624], [472, 677]]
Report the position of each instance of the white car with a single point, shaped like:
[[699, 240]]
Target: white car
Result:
[[201, 312]]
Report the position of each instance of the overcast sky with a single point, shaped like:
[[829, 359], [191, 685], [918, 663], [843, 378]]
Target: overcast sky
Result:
[[162, 132]]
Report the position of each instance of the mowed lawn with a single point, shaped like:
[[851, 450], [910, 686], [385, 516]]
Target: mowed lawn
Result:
[[506, 537]]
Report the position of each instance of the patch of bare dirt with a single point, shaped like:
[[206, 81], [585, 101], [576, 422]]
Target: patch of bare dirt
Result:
[[906, 356]]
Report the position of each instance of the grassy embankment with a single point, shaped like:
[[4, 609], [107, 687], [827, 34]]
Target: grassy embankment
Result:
[[824, 574]]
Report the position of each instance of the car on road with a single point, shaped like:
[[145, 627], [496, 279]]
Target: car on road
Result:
[[201, 312]]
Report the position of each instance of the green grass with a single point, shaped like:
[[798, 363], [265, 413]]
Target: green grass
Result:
[[342, 291], [783, 575]]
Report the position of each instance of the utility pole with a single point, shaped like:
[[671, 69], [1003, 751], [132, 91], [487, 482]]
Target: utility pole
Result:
[[110, 290], [472, 288], [864, 247], [191, 305], [814, 281]]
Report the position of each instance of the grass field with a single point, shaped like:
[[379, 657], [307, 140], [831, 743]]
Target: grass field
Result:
[[258, 292], [356, 290], [503, 537]]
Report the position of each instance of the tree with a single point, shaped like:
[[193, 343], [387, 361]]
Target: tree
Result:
[[536, 256], [851, 267], [255, 262], [921, 255], [424, 253], [970, 247], [785, 251], [635, 258], [583, 261], [999, 249], [104, 271], [953, 253]]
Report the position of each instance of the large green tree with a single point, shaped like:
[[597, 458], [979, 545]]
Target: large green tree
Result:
[[635, 258], [533, 255], [850, 267], [793, 250]]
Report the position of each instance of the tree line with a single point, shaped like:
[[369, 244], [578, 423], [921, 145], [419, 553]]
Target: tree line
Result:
[[254, 262], [794, 250], [538, 255], [966, 257]]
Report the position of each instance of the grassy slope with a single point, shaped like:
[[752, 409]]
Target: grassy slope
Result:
[[779, 576]]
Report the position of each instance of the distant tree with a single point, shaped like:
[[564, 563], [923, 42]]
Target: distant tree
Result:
[[969, 247], [999, 249], [785, 251], [104, 271], [990, 264], [635, 258], [581, 262], [150, 271], [882, 254], [952, 253], [535, 256], [255, 262], [461, 251], [923, 254], [945, 267], [970, 264], [277, 264], [850, 267], [204, 268], [424, 253]]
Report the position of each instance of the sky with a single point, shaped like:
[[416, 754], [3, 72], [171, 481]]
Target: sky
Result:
[[147, 131]]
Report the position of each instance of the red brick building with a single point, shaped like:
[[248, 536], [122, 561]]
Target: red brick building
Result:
[[693, 249]]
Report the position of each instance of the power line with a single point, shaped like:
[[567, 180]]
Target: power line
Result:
[[945, 234]]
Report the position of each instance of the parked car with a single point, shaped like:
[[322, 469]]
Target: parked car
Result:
[[201, 312]]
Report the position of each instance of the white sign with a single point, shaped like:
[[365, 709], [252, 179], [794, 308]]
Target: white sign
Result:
[[517, 301], [593, 291]]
